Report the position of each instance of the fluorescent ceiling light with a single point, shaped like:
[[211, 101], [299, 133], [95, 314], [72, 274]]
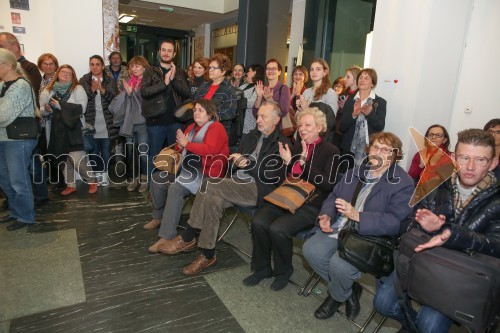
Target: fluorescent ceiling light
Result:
[[126, 18]]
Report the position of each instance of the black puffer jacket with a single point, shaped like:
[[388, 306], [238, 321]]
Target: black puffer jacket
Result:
[[477, 228], [110, 92]]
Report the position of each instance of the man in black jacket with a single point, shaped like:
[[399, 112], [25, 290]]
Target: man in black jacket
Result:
[[258, 155], [462, 214], [164, 85]]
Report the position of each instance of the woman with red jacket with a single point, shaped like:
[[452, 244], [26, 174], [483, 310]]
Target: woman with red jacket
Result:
[[205, 149]]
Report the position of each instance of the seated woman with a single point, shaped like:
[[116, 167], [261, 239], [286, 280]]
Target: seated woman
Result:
[[432, 165], [66, 101], [313, 160], [219, 89], [381, 205], [362, 116], [205, 150]]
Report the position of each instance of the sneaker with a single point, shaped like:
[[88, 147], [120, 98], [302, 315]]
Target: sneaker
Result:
[[104, 179], [68, 190], [98, 177], [92, 188]]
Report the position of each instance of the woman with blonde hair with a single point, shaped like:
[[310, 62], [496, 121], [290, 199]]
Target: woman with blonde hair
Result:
[[312, 160], [17, 99]]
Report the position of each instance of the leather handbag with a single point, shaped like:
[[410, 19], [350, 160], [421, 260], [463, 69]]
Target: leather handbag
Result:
[[184, 112], [369, 254], [24, 128], [463, 286], [168, 160], [291, 194], [288, 124]]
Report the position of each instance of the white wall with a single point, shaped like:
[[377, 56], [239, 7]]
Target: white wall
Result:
[[478, 79], [70, 29], [420, 44]]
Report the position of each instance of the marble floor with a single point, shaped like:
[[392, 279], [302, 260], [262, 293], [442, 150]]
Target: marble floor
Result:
[[84, 267]]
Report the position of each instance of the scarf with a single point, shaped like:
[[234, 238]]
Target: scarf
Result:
[[486, 182], [297, 169], [62, 90], [135, 82]]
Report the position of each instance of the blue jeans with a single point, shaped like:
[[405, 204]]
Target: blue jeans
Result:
[[138, 143], [159, 137], [427, 319], [15, 180], [102, 148]]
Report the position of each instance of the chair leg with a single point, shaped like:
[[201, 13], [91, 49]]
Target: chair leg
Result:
[[304, 286], [314, 284], [228, 227]]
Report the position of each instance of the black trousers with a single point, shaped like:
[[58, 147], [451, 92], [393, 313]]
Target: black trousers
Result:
[[272, 232]]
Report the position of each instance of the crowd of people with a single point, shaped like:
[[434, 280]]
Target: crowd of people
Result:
[[236, 156]]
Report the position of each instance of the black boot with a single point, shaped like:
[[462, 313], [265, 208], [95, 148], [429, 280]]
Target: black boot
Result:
[[352, 306], [327, 309]]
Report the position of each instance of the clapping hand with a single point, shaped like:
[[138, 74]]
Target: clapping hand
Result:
[[268, 93], [302, 103], [437, 240], [259, 88], [357, 108], [366, 109], [182, 140], [285, 153], [346, 209], [239, 160], [127, 87], [429, 221]]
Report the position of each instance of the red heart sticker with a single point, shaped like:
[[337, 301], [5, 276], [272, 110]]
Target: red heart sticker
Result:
[[396, 81]]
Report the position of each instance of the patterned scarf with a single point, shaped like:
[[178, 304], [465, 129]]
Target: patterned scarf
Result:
[[135, 82], [62, 90], [360, 139], [486, 182]]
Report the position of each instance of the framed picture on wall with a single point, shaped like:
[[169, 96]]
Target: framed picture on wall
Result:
[[20, 4], [19, 30], [16, 18]]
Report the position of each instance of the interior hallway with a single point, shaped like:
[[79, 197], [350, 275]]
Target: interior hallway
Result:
[[85, 268]]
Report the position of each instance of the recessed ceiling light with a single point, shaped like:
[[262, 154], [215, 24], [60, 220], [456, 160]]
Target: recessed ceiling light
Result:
[[124, 18]]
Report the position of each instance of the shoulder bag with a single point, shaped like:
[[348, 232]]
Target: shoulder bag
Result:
[[369, 254], [463, 286], [288, 124], [24, 128], [291, 194]]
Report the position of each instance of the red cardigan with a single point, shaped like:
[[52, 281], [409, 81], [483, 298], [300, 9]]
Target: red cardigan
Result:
[[214, 150]]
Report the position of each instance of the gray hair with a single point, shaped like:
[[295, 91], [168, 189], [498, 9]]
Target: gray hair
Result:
[[319, 117], [276, 110]]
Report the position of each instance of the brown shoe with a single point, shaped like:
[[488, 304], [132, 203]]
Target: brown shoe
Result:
[[198, 265], [154, 248], [153, 224], [177, 245]]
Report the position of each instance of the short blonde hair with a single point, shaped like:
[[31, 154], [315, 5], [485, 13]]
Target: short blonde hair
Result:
[[319, 117]]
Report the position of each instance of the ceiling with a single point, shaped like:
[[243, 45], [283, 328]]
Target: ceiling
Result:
[[147, 13]]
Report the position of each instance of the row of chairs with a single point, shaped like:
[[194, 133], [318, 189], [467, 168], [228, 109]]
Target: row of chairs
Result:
[[231, 215]]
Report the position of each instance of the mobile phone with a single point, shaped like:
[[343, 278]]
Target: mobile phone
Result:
[[342, 98], [54, 97]]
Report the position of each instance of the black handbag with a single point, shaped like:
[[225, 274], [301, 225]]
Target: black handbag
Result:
[[24, 128], [463, 286], [369, 254]]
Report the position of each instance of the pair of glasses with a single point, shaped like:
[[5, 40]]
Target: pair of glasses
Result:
[[494, 132], [271, 69], [480, 161], [66, 73], [384, 150], [435, 135], [213, 68]]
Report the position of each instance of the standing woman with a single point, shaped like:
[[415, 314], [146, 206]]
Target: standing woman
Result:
[[67, 101], [321, 92], [200, 75], [219, 90], [299, 78], [363, 116], [126, 109], [351, 88], [237, 77], [100, 89], [17, 99], [274, 90], [255, 73]]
